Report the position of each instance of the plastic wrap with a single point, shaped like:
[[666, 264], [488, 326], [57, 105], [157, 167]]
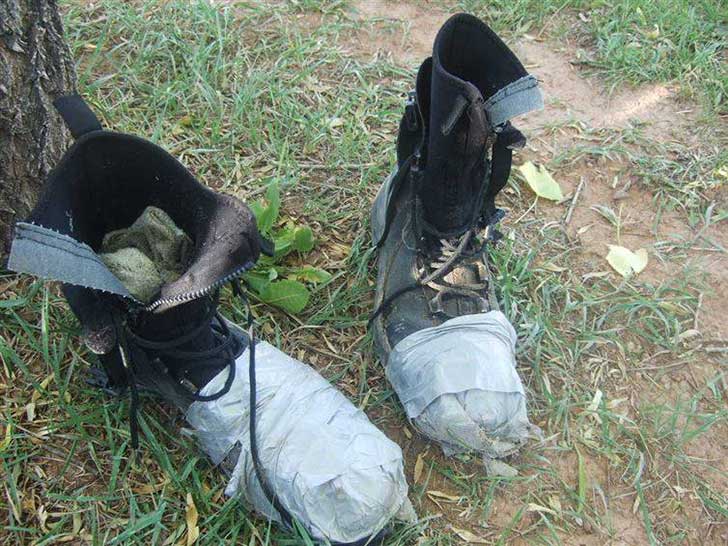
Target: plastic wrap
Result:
[[330, 467], [459, 385]]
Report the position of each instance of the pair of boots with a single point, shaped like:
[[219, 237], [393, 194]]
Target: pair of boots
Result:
[[294, 447]]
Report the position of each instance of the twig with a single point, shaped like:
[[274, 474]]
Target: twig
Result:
[[574, 199], [526, 213], [697, 311], [665, 367]]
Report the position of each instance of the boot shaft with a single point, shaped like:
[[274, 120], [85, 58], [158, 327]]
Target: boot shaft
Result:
[[466, 93]]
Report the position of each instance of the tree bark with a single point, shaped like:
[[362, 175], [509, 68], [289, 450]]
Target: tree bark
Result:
[[35, 68]]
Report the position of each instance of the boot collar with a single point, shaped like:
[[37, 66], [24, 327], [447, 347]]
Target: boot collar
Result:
[[103, 182]]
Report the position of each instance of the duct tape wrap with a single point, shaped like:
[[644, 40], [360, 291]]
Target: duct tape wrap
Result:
[[459, 385], [332, 469]]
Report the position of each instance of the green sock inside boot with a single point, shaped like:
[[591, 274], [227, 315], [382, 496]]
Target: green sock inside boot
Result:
[[151, 252]]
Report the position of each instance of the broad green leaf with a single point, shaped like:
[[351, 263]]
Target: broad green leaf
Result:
[[257, 207], [289, 295], [625, 262], [267, 215], [309, 274], [257, 281], [541, 182], [290, 238], [303, 239], [284, 241]]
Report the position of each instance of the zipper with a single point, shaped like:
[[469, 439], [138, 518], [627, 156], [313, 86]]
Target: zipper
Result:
[[189, 296]]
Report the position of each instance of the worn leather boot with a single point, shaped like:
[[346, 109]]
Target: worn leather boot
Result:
[[449, 352]]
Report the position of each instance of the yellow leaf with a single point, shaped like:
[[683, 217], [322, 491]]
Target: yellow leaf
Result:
[[553, 267], [625, 262], [419, 466], [193, 531], [541, 181], [533, 507], [441, 495], [43, 385], [469, 537], [8, 437], [77, 522]]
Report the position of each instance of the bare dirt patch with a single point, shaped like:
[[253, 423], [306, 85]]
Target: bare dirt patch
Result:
[[405, 32], [569, 95]]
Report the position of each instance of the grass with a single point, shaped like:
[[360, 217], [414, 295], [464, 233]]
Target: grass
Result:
[[632, 405], [632, 41]]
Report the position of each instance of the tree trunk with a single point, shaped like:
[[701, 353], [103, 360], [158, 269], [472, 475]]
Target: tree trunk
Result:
[[35, 68]]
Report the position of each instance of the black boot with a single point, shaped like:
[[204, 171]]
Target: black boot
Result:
[[432, 221], [176, 345]]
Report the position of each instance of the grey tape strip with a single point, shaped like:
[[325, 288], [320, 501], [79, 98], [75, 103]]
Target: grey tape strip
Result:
[[462, 354], [515, 99], [51, 255]]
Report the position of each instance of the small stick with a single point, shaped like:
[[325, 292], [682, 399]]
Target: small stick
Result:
[[572, 206], [697, 311]]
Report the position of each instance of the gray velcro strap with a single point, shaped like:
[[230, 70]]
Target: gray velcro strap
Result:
[[515, 99], [51, 255]]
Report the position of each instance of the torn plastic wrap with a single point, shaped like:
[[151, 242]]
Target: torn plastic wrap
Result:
[[459, 385], [334, 471]]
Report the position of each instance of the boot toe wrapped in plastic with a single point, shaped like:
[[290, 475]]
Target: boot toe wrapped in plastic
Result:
[[331, 468], [459, 385]]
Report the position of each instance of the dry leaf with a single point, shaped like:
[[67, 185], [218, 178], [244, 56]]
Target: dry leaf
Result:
[[193, 531], [596, 401], [495, 467], [419, 466], [541, 181], [533, 507], [553, 267], [555, 503], [8, 438], [44, 386], [469, 537], [625, 262], [149, 488], [594, 275], [77, 522], [441, 495]]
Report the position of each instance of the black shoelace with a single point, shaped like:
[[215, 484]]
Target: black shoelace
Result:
[[225, 349]]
